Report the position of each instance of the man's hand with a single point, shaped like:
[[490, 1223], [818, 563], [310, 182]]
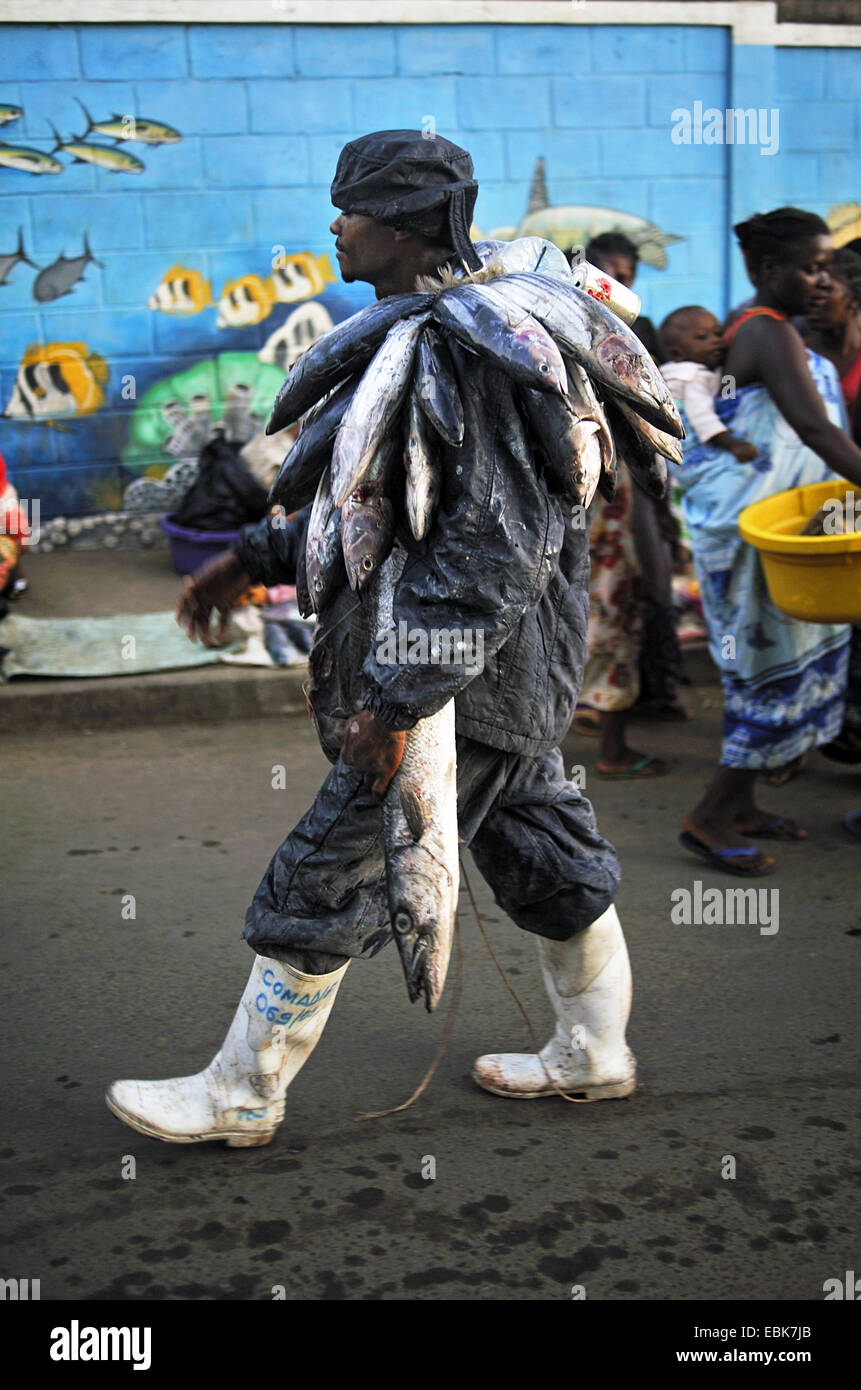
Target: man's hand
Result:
[[373, 747], [218, 584]]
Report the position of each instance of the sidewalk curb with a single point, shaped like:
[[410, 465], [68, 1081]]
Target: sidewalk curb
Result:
[[210, 695]]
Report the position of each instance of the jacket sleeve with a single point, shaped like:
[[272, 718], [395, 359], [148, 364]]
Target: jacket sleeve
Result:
[[268, 550], [488, 558]]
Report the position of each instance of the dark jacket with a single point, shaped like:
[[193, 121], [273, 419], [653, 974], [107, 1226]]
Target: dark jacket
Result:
[[501, 560]]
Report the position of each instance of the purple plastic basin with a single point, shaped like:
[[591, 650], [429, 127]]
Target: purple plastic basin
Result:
[[191, 549]]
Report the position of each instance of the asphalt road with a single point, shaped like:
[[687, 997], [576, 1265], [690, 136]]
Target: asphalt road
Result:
[[748, 1045]]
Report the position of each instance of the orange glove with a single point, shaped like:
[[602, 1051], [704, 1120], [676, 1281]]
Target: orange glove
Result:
[[373, 747]]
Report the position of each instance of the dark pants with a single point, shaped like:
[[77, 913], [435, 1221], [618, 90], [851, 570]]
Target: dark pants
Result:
[[532, 833], [662, 670]]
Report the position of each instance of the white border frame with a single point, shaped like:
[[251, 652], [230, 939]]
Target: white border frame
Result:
[[751, 21]]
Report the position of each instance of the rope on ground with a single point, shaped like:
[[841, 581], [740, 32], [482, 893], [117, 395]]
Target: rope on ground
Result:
[[443, 1042]]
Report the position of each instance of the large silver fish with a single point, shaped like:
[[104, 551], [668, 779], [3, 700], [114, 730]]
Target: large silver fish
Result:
[[605, 346], [368, 517], [373, 408], [421, 837], [494, 327], [653, 439], [639, 455], [324, 560], [574, 444], [344, 350], [299, 474], [437, 387], [424, 474], [582, 396]]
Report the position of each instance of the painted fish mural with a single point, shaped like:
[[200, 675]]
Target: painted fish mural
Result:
[[844, 219], [9, 262], [243, 302], [60, 278], [300, 276], [29, 161], [174, 418], [296, 334], [182, 292], [140, 129], [106, 157], [8, 112], [576, 224], [57, 379]]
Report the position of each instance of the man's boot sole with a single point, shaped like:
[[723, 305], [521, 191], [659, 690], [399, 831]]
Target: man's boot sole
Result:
[[233, 1138], [616, 1091]]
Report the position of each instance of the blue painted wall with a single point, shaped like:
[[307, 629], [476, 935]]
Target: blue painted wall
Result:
[[263, 112]]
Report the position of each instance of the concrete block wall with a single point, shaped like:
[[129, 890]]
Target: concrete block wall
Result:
[[263, 111]]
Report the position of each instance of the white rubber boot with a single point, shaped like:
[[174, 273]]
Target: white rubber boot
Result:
[[588, 980], [240, 1095]]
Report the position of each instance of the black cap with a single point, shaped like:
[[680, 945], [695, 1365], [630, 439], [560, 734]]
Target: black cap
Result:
[[415, 182]]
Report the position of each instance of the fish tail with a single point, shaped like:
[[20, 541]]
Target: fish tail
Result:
[[88, 253], [20, 250], [59, 143], [89, 118]]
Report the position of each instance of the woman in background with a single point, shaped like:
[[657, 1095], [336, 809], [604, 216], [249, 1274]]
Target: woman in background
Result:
[[784, 681]]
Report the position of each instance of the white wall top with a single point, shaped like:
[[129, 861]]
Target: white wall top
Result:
[[751, 21]]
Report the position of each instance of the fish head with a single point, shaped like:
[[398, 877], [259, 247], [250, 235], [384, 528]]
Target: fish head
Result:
[[423, 949], [540, 352], [367, 531]]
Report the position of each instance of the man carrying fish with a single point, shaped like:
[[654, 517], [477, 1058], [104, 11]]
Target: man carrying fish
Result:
[[452, 437]]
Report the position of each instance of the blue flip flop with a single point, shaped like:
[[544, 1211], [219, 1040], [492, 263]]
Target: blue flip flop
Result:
[[725, 858]]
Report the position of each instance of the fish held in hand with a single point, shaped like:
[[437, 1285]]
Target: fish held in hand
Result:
[[422, 868], [485, 322], [373, 408], [420, 834], [344, 350]]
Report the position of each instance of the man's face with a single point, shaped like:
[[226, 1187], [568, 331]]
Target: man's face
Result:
[[365, 249], [621, 267]]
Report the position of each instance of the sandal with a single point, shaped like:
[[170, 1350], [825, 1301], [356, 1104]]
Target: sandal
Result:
[[726, 858], [645, 767], [778, 828]]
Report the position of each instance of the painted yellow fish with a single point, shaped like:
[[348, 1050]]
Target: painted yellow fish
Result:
[[243, 302], [124, 128], [103, 156], [300, 276], [56, 379], [845, 222], [182, 292], [29, 161]]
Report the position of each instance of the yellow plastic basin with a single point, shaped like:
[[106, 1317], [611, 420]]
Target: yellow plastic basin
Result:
[[816, 578]]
